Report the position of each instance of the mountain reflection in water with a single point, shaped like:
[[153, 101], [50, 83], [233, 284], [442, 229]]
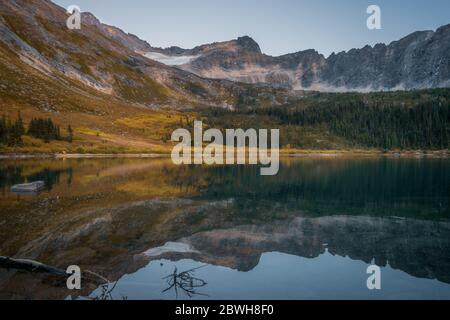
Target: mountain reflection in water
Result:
[[310, 232]]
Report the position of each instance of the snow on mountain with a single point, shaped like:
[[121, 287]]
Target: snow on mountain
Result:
[[170, 60]]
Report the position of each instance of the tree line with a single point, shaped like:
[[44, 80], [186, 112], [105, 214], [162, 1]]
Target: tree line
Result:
[[424, 126], [11, 132], [394, 120]]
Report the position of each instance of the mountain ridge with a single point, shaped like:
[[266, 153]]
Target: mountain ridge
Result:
[[102, 57], [420, 60]]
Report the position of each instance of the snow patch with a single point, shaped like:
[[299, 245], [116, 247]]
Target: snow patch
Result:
[[170, 60]]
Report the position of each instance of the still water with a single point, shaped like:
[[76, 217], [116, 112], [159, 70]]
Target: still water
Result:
[[157, 231]]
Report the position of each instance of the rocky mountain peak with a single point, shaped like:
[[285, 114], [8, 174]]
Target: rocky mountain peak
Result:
[[128, 40], [417, 61], [89, 19], [246, 43]]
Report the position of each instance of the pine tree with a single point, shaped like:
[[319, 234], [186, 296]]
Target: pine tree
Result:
[[44, 129], [19, 123], [3, 131], [15, 134], [70, 131]]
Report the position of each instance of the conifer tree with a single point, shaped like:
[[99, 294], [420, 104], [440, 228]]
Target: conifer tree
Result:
[[70, 132], [3, 130]]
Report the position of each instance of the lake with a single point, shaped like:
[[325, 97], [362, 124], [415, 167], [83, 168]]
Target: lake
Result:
[[158, 231]]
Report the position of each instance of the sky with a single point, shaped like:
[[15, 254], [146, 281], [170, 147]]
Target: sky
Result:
[[279, 26]]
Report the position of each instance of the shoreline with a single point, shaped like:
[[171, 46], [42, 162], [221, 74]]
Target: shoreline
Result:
[[285, 154], [81, 155]]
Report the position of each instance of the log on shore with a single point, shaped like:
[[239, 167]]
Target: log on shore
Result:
[[30, 265], [38, 267]]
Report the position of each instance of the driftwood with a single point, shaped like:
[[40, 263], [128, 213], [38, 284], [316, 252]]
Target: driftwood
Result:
[[30, 266], [38, 267]]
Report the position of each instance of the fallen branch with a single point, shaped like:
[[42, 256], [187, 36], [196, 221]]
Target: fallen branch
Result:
[[30, 265], [38, 267]]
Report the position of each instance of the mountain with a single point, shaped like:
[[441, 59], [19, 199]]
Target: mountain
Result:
[[128, 40], [102, 58], [418, 61]]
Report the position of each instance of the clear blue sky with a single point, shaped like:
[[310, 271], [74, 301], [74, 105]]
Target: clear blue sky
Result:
[[279, 26]]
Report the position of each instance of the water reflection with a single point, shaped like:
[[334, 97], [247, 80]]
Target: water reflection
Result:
[[185, 282], [11, 175], [283, 276], [128, 218]]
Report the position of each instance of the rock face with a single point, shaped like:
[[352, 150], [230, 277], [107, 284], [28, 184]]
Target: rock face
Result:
[[419, 60], [128, 40]]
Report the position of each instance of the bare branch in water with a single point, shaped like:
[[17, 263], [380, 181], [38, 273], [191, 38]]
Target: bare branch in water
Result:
[[185, 281], [106, 293]]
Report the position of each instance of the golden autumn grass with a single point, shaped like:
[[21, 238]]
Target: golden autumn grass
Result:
[[124, 129]]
